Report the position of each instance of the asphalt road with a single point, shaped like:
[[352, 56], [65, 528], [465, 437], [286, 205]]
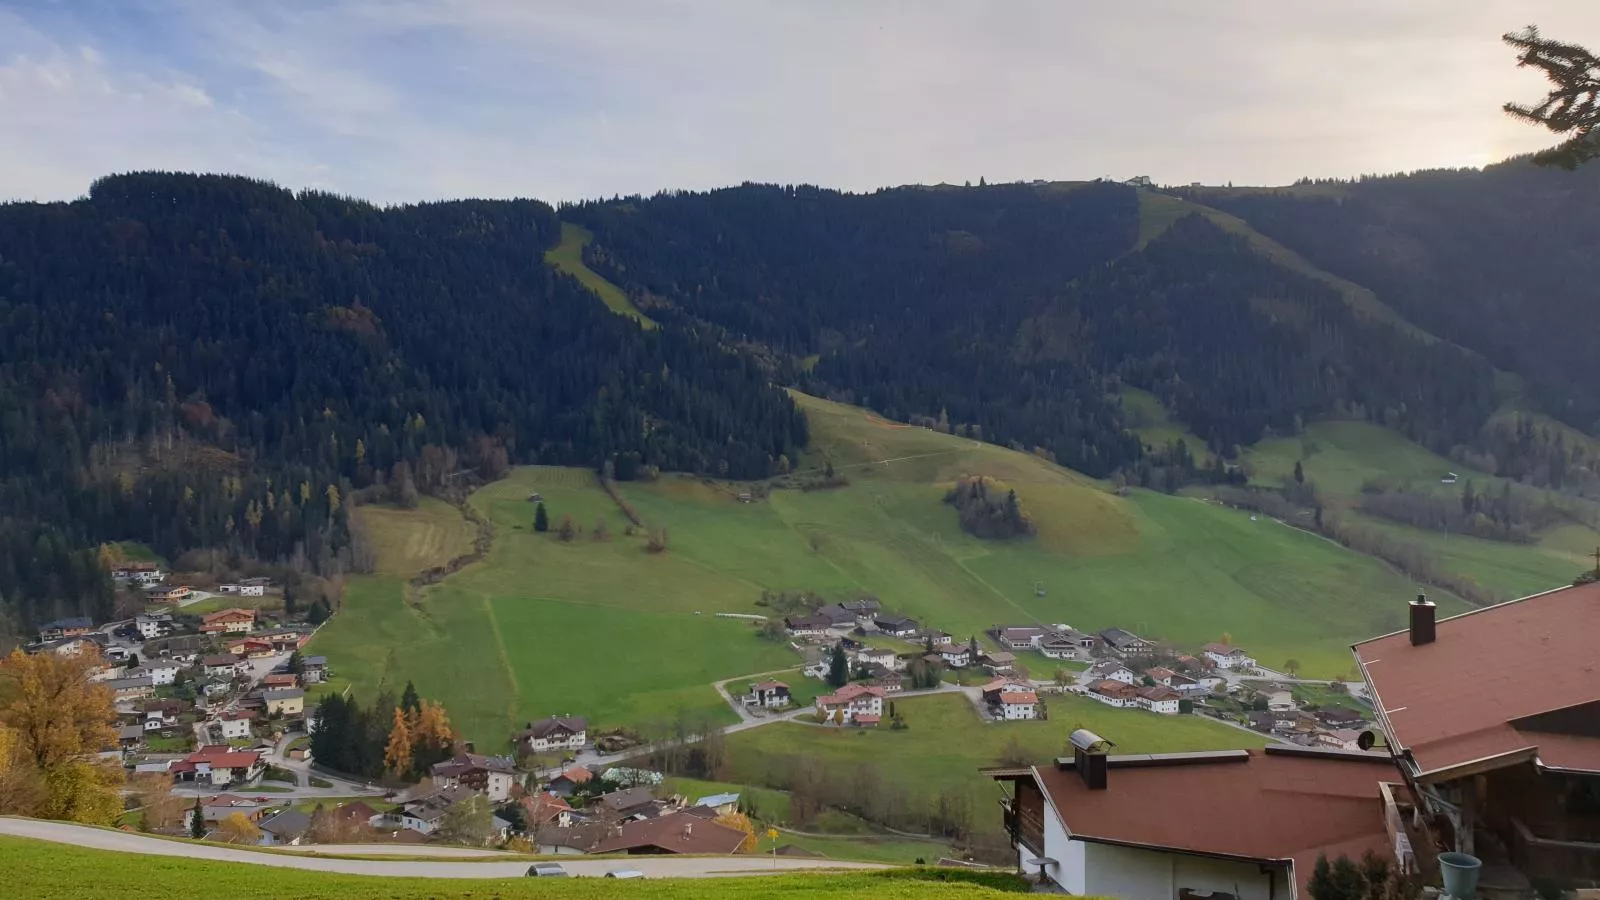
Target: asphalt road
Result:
[[652, 866]]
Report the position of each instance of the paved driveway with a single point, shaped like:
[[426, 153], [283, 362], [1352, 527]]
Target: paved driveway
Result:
[[652, 866]]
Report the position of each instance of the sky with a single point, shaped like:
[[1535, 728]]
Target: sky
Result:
[[407, 100]]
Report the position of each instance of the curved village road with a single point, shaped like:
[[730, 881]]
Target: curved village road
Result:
[[652, 866]]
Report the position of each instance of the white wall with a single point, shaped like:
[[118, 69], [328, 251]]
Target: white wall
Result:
[[1152, 875]]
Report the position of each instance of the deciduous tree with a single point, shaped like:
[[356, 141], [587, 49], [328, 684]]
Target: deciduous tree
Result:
[[398, 754], [470, 821], [740, 822], [60, 720], [236, 829]]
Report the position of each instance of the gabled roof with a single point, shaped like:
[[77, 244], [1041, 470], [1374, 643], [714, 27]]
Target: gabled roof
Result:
[[220, 756], [1529, 664], [282, 694], [544, 728], [718, 799], [576, 775], [627, 799], [1158, 693], [1223, 649], [72, 622], [1018, 698], [462, 763], [289, 824], [1278, 806], [674, 833], [1117, 689], [226, 615], [769, 686], [1119, 637]]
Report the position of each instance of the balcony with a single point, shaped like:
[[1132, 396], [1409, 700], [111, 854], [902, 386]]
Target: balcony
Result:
[[1025, 827]]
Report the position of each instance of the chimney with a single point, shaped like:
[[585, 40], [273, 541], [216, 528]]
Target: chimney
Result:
[[1089, 758], [1422, 613]]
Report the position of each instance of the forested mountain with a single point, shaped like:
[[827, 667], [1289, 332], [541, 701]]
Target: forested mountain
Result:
[[214, 362], [1014, 310], [1499, 260], [207, 361]]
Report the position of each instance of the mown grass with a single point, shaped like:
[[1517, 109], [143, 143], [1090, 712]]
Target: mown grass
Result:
[[47, 871], [567, 256], [410, 540]]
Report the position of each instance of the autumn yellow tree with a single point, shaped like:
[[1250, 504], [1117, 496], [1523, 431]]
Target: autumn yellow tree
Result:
[[162, 810], [236, 829], [741, 822], [60, 720], [397, 756], [432, 738], [21, 788]]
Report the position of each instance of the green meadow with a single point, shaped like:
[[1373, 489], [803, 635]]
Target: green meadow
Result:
[[601, 627], [567, 256]]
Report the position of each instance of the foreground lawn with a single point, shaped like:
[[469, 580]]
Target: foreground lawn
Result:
[[47, 871]]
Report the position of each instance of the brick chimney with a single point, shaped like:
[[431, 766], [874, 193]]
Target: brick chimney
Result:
[[1089, 758], [1422, 621]]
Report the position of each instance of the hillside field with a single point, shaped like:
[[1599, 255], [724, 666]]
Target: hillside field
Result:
[[48, 871], [567, 256], [605, 629]]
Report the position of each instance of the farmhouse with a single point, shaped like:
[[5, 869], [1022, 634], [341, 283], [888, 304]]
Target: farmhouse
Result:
[[837, 616], [131, 688], [315, 669], [1501, 762], [491, 776], [870, 656], [1125, 643], [955, 656], [1158, 699], [144, 573], [280, 680], [284, 701], [251, 648], [853, 704], [554, 733], [1068, 643], [76, 626], [1227, 656], [1114, 693], [897, 626], [228, 621], [768, 695], [938, 638], [1096, 824], [807, 626], [998, 662], [1020, 637], [160, 672]]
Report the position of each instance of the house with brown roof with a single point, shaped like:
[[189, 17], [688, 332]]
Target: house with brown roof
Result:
[[672, 833], [228, 621], [1227, 656], [853, 703], [251, 648], [219, 766], [491, 776], [1018, 705], [546, 810], [554, 733], [1131, 826], [1494, 717], [1158, 699], [1114, 693], [565, 783]]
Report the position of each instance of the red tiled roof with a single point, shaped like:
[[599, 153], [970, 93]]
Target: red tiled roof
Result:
[[1116, 689], [867, 719], [224, 615], [577, 775], [1277, 807], [222, 757], [1019, 697], [1458, 699]]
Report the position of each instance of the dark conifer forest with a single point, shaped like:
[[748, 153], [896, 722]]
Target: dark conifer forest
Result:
[[215, 362]]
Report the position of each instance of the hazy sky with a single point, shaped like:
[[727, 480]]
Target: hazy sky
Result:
[[399, 100]]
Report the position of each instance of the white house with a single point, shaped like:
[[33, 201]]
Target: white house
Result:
[[768, 695], [869, 656], [244, 590], [234, 726], [1114, 693], [153, 626], [956, 656], [555, 733], [1111, 670], [1159, 699], [492, 776], [1015, 705], [1227, 656], [160, 673], [1102, 825]]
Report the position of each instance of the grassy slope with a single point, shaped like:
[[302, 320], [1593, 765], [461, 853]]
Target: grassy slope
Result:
[[47, 871], [1154, 425], [1341, 456], [414, 539], [628, 638], [568, 257]]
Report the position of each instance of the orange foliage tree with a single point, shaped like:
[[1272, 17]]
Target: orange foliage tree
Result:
[[57, 720]]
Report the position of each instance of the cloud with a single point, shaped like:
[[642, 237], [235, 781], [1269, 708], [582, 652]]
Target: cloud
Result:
[[418, 99]]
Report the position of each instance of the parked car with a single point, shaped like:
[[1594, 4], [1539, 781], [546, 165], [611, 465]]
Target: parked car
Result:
[[624, 873], [546, 870]]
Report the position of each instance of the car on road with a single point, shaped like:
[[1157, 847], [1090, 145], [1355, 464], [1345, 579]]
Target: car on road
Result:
[[546, 870], [624, 873]]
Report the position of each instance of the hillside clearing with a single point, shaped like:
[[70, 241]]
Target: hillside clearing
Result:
[[410, 540], [567, 256]]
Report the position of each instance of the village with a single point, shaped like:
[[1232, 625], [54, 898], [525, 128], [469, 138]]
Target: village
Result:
[[884, 654]]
